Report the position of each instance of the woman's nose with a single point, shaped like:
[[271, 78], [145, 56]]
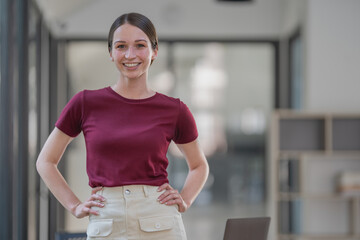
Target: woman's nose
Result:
[[130, 53]]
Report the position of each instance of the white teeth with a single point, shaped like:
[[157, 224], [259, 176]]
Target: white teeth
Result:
[[130, 64]]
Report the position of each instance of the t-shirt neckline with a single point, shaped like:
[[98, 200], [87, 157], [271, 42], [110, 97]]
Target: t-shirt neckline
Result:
[[130, 99]]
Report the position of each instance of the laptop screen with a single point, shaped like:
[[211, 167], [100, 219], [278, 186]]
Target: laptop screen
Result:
[[247, 228]]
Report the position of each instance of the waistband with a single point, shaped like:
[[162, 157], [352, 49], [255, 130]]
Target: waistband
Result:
[[129, 191]]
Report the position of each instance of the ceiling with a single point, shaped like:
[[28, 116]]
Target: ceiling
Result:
[[173, 19]]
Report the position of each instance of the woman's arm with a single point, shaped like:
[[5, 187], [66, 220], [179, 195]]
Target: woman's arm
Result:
[[196, 178], [46, 165]]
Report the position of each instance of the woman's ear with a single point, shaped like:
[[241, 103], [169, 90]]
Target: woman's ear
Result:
[[111, 58], [154, 55]]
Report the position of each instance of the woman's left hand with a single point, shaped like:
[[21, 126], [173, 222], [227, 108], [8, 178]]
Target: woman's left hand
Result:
[[172, 196]]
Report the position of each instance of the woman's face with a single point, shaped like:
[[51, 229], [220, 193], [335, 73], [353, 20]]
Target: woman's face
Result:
[[132, 51]]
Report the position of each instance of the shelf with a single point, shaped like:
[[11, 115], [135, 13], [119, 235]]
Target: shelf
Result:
[[346, 134], [297, 196], [300, 154], [346, 152], [309, 152], [302, 134], [319, 237]]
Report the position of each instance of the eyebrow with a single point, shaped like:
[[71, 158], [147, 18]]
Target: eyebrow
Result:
[[138, 40]]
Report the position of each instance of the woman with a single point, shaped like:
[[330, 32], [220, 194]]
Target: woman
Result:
[[127, 129]]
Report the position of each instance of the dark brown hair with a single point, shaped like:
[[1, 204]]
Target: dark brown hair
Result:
[[137, 20]]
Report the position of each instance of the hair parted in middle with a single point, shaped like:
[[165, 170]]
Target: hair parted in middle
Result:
[[137, 20]]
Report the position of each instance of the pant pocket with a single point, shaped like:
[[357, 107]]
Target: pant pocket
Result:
[[156, 224], [99, 228]]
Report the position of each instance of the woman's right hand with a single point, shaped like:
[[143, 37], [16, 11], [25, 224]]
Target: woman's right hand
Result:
[[83, 209]]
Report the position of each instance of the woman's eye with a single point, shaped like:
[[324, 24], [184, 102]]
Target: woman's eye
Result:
[[140, 45], [121, 46]]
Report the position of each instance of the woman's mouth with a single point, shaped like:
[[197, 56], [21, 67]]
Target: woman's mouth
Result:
[[131, 65]]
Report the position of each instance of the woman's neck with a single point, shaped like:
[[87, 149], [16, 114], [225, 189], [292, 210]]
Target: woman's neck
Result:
[[133, 88]]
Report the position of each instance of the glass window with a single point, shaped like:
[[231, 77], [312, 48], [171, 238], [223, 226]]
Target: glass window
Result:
[[229, 89]]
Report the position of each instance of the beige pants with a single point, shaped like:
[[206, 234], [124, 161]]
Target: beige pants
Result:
[[133, 212]]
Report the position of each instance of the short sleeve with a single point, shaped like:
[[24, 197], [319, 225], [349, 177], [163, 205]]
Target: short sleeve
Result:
[[71, 117], [186, 130]]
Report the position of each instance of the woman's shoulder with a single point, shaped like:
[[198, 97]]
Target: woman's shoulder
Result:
[[87, 94], [173, 101], [95, 92], [168, 99]]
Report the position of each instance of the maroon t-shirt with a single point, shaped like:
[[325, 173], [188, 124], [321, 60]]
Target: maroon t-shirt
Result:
[[127, 139]]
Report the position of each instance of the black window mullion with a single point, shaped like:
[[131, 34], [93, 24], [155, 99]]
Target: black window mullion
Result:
[[23, 116], [6, 119]]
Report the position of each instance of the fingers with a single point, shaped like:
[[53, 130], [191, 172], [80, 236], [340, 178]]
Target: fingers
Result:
[[88, 211], [95, 190], [95, 200], [96, 197], [165, 186], [178, 202], [86, 208], [172, 200], [171, 197], [168, 195], [83, 211], [90, 204], [169, 190]]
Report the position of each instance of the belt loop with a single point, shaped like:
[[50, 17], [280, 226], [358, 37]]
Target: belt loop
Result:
[[122, 190], [146, 191]]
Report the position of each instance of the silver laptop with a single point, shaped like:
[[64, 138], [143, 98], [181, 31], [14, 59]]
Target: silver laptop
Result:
[[247, 228]]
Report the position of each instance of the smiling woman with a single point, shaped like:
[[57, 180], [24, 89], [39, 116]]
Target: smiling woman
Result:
[[133, 46], [132, 53], [128, 128]]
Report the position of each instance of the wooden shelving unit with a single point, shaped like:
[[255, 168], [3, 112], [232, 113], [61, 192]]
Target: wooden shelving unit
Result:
[[308, 151]]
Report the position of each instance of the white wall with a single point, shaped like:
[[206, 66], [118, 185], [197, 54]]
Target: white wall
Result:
[[333, 56], [293, 15], [331, 41]]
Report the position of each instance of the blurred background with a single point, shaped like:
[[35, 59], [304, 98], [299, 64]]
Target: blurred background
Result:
[[234, 63]]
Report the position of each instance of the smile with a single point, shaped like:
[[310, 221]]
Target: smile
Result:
[[131, 64]]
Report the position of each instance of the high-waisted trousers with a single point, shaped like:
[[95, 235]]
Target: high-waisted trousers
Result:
[[134, 213]]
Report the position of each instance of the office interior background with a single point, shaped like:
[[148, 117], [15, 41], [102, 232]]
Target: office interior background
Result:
[[233, 63]]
